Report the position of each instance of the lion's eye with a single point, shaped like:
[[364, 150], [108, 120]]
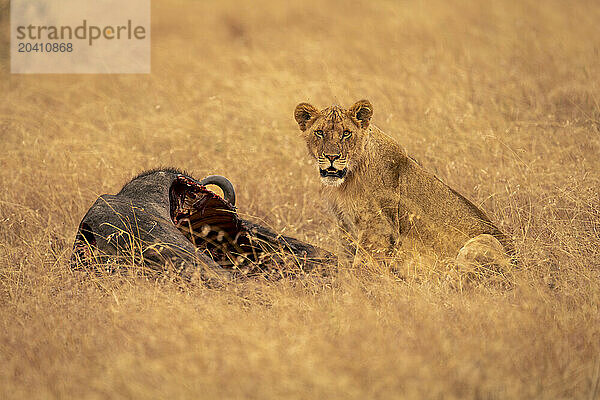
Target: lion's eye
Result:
[[347, 134], [319, 133]]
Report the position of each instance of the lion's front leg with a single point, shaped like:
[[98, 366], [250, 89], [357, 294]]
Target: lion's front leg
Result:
[[346, 245], [377, 240], [346, 239]]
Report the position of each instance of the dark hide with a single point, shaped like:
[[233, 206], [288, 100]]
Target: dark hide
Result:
[[165, 220]]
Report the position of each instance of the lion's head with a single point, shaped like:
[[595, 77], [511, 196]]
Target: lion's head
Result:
[[334, 137]]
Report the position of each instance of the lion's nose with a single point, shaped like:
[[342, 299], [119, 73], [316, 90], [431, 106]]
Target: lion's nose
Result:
[[331, 157]]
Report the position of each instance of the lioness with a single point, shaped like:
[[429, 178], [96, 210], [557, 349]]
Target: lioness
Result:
[[384, 201]]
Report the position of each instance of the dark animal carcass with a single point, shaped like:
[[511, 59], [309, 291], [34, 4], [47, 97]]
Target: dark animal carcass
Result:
[[166, 220]]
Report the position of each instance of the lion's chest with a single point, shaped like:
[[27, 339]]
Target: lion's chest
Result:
[[359, 212]]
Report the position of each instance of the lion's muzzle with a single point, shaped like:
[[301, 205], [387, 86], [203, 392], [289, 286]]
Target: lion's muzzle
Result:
[[332, 168], [333, 172]]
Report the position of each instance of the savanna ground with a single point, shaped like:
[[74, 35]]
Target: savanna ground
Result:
[[499, 99]]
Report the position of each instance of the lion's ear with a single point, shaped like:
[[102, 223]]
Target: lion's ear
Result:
[[303, 113], [362, 111]]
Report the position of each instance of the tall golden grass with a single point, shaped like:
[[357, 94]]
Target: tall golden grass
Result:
[[499, 99]]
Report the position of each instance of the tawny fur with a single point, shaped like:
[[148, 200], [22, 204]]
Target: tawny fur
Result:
[[383, 200]]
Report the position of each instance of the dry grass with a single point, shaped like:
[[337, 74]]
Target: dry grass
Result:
[[500, 99]]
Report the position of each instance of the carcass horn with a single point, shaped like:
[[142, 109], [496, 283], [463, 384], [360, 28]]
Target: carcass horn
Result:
[[224, 184]]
